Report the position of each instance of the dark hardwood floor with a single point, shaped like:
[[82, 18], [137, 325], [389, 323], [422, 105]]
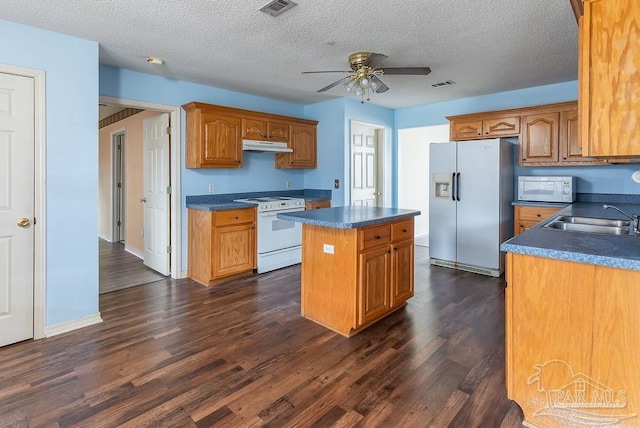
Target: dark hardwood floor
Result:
[[120, 269], [176, 354]]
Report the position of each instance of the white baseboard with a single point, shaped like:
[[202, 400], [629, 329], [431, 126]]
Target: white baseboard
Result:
[[183, 274], [67, 326], [139, 254], [105, 237]]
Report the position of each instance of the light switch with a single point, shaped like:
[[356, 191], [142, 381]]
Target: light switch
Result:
[[328, 249]]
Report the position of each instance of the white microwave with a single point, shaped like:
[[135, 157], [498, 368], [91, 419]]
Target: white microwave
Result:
[[547, 188]]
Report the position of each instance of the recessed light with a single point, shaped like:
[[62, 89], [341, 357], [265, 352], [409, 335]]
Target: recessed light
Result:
[[155, 60]]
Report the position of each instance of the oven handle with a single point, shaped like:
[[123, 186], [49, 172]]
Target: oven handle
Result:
[[274, 213]]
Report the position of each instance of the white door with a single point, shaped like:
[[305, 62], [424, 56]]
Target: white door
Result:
[[16, 207], [364, 166], [156, 193]]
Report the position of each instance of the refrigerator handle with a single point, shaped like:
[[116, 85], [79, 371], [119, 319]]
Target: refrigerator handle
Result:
[[458, 187], [453, 186]]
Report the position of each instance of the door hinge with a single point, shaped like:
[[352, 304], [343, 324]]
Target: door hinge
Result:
[[168, 249], [119, 223], [168, 190], [168, 130], [34, 221], [119, 146], [119, 185]]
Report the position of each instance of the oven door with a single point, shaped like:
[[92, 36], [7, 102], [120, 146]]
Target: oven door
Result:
[[275, 234]]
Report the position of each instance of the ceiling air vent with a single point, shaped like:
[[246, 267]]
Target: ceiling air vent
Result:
[[443, 84], [277, 7]]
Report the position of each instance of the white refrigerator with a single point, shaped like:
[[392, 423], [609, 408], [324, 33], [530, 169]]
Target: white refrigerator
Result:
[[470, 212]]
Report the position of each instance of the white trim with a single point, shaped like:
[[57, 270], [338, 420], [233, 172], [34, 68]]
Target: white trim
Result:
[[184, 274], [139, 254], [383, 150], [175, 167], [40, 195], [105, 237], [67, 326]]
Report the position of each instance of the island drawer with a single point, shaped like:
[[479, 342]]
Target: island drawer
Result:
[[402, 230], [375, 236], [226, 217]]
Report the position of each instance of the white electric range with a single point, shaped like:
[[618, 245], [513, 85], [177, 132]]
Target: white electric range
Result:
[[279, 242]]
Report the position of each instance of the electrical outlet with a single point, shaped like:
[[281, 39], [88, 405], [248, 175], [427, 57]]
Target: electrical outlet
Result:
[[288, 184], [212, 187], [336, 184], [328, 248], [142, 233]]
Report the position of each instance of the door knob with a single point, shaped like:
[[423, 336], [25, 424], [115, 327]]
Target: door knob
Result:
[[24, 222], [143, 199], [376, 193]]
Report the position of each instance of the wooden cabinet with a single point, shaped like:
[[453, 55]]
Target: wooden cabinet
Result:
[[572, 342], [353, 277], [539, 140], [261, 129], [609, 87], [314, 205], [213, 138], [222, 244], [525, 216], [488, 127], [304, 145]]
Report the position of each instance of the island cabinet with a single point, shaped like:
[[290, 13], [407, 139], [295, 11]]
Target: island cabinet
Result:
[[525, 217], [572, 342], [222, 244], [353, 277], [609, 87], [214, 136]]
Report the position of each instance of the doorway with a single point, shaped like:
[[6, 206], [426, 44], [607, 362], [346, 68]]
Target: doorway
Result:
[[366, 165], [171, 185], [119, 199]]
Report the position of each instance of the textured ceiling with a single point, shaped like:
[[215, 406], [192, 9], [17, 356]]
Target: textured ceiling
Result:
[[484, 46]]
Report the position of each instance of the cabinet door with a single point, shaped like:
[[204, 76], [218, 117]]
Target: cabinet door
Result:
[[234, 249], [570, 146], [401, 272], [528, 216], [303, 143], [503, 127], [221, 141], [254, 129], [466, 130], [539, 143], [278, 131], [373, 293], [609, 87]]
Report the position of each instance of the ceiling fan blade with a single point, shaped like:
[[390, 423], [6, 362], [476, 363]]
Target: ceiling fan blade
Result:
[[406, 71], [381, 86], [374, 60], [326, 88], [327, 71]]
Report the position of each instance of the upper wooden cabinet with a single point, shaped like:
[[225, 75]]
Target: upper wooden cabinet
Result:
[[487, 127], [539, 142], [304, 145], [609, 82], [214, 136], [257, 129]]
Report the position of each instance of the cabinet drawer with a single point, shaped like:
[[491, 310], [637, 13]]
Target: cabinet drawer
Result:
[[536, 214], [402, 230], [375, 236], [246, 215]]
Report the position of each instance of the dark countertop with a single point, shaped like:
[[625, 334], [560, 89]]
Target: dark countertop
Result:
[[606, 250], [349, 217], [225, 201], [218, 206]]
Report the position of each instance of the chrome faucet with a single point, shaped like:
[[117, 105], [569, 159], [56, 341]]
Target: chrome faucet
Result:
[[635, 218]]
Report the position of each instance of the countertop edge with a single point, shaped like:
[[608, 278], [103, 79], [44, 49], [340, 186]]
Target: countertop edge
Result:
[[348, 225]]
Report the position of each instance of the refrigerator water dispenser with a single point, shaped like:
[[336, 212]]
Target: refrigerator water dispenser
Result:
[[442, 183]]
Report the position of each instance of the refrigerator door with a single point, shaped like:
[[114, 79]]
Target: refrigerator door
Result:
[[478, 214], [442, 207]]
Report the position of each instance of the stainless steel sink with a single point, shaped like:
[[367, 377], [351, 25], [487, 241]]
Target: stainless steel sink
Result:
[[590, 225]]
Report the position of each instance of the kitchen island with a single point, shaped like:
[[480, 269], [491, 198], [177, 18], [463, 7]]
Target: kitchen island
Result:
[[572, 324], [357, 264]]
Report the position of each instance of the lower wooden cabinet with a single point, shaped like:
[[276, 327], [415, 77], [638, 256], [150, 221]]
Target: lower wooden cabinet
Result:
[[528, 216], [368, 274], [222, 244], [314, 205]]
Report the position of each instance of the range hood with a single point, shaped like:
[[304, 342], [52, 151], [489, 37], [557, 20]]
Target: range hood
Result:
[[265, 146]]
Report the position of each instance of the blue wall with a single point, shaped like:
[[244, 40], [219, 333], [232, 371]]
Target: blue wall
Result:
[[591, 179], [71, 67]]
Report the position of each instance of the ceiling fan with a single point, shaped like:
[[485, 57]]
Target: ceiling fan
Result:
[[363, 76]]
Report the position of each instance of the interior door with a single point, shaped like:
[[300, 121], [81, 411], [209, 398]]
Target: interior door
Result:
[[16, 208], [364, 166], [156, 193]]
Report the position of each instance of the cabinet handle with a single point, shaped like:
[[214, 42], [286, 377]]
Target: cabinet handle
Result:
[[389, 252], [537, 215], [404, 230], [378, 237], [487, 133], [236, 217], [564, 158], [395, 249]]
